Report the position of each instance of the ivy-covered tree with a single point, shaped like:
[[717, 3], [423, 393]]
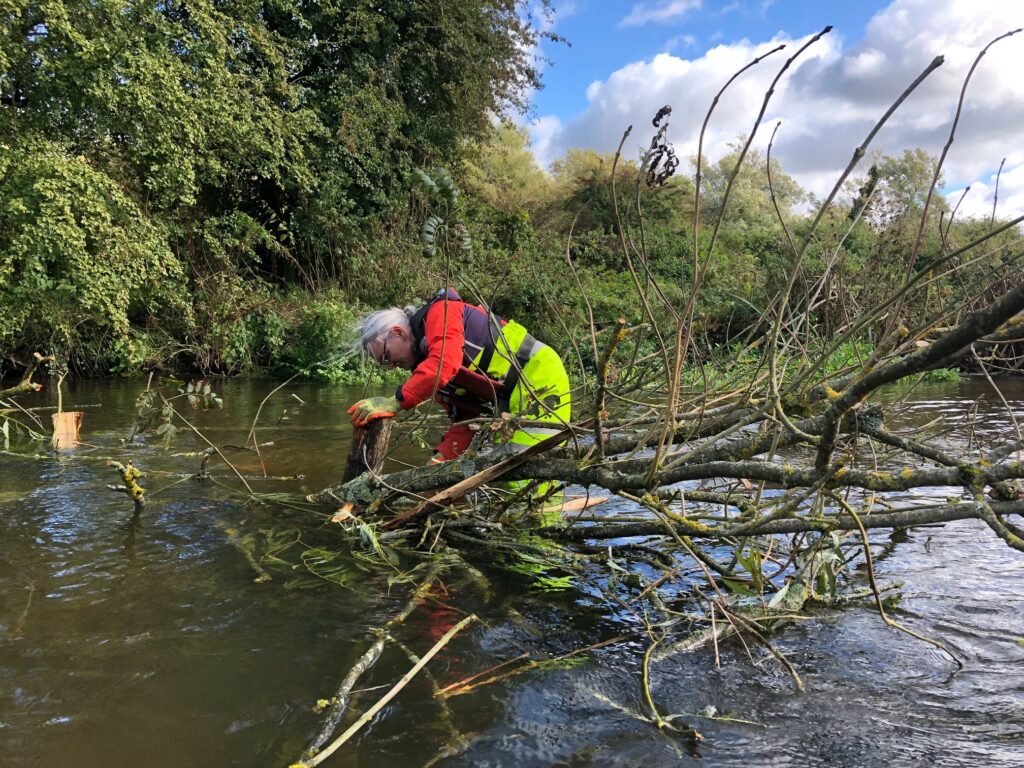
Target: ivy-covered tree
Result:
[[254, 142]]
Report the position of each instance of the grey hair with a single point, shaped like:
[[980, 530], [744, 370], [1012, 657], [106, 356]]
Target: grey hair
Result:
[[376, 325]]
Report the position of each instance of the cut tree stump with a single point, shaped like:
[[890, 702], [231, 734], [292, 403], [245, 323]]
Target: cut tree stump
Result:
[[65, 429], [368, 448]]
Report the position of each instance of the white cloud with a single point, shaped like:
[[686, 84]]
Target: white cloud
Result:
[[684, 41], [659, 12], [832, 96], [543, 131], [978, 201]]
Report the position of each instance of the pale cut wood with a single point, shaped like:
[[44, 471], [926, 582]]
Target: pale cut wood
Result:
[[576, 504], [66, 425]]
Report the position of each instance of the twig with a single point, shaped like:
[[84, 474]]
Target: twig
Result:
[[751, 627], [446, 713], [995, 197], [203, 437], [466, 680], [942, 156], [534, 664], [368, 659], [868, 559], [369, 714], [19, 626], [252, 430]]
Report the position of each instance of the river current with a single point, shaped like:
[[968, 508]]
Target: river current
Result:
[[151, 643]]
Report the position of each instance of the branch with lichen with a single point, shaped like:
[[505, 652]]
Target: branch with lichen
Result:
[[27, 385], [130, 475], [338, 704]]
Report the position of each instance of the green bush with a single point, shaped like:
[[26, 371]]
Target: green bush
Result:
[[77, 256], [314, 335], [942, 375]]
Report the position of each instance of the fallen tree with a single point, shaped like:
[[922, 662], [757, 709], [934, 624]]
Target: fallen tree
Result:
[[761, 472], [748, 479], [743, 445]]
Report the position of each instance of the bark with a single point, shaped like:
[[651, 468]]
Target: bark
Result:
[[631, 475], [903, 518], [946, 349], [368, 448], [26, 384]]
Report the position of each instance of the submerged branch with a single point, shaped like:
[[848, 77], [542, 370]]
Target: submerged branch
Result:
[[339, 703], [369, 714], [902, 518]]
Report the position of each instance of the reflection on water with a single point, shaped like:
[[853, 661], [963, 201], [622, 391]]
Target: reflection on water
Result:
[[151, 644]]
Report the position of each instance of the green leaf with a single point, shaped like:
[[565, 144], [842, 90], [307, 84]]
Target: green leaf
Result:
[[553, 583], [739, 588], [779, 596], [390, 555], [424, 180]]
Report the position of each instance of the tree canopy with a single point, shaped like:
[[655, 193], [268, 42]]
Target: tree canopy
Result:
[[221, 185], [245, 140]]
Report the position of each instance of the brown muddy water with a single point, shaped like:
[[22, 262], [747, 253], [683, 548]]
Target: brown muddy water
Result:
[[151, 645]]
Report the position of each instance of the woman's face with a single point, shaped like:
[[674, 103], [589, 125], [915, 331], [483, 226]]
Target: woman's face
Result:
[[395, 350]]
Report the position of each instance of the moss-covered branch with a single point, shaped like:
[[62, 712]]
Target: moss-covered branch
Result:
[[27, 385]]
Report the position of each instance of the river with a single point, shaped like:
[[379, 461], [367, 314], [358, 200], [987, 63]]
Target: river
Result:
[[151, 644]]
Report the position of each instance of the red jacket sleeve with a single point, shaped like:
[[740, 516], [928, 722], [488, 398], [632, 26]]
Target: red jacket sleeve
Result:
[[445, 337]]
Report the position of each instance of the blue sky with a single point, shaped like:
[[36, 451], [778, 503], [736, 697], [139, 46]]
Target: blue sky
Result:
[[600, 42], [627, 58]]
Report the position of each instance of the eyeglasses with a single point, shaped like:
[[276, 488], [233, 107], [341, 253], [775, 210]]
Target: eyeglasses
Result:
[[385, 359]]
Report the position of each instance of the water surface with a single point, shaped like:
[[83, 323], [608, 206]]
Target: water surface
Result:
[[151, 644]]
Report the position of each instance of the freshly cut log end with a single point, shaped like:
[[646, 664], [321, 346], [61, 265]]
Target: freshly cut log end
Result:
[[66, 425], [345, 513]]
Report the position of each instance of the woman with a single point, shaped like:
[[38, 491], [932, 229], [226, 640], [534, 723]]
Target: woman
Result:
[[470, 361]]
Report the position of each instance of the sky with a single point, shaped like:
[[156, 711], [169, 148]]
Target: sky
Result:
[[626, 59]]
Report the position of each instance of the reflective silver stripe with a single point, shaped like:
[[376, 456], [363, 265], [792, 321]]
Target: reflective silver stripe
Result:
[[534, 431], [534, 349]]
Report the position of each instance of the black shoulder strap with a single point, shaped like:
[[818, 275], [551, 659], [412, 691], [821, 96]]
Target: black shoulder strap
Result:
[[493, 331], [418, 321], [526, 349]]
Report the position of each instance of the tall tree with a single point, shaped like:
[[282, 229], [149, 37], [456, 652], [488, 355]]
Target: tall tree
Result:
[[254, 139]]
